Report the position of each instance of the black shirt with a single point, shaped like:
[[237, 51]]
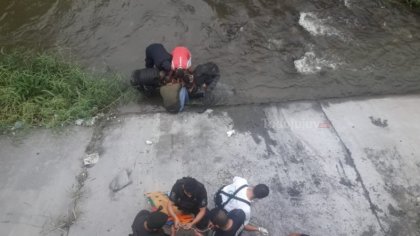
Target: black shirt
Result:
[[138, 226], [159, 56], [185, 203], [238, 218], [207, 74]]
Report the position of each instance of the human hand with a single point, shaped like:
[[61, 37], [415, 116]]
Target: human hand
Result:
[[190, 78], [177, 224], [211, 225], [188, 226], [263, 231], [197, 233]]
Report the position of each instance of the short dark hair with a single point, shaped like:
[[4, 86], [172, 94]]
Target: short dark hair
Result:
[[219, 217], [179, 73], [190, 185], [156, 220], [261, 191]]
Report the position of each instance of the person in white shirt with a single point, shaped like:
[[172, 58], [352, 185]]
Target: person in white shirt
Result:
[[239, 195]]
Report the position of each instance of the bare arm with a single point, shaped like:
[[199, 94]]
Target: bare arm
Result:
[[199, 216], [251, 228], [171, 210]]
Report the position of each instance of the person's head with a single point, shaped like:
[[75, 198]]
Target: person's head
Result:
[[179, 73], [190, 186], [219, 217], [162, 74], [260, 191], [156, 220]]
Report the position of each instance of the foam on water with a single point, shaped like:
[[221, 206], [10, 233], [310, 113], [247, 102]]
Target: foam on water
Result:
[[347, 3], [316, 26], [310, 64]]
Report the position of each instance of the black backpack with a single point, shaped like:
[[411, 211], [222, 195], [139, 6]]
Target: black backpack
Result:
[[218, 201]]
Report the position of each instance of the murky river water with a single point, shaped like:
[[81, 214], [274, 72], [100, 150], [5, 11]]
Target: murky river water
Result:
[[268, 50]]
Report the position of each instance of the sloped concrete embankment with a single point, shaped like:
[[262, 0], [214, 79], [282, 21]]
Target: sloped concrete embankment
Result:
[[39, 184], [334, 167]]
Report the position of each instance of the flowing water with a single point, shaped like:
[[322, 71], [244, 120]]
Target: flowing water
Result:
[[267, 50]]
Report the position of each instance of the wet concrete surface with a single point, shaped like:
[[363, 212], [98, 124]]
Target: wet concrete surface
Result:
[[38, 180], [331, 170], [267, 50]]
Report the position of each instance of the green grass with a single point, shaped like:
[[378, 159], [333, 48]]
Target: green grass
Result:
[[45, 90], [413, 3]]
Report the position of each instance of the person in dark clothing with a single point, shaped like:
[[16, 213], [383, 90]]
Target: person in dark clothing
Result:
[[148, 80], [205, 77], [149, 223], [230, 224], [190, 197], [157, 56]]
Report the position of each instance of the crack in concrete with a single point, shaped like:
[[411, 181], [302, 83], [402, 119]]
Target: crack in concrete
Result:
[[350, 162], [95, 145]]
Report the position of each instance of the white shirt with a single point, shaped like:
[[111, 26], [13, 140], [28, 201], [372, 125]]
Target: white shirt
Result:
[[235, 204]]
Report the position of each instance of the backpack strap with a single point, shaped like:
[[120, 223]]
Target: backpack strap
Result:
[[230, 196]]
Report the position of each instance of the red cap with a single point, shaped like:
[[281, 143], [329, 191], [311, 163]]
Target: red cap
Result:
[[181, 58]]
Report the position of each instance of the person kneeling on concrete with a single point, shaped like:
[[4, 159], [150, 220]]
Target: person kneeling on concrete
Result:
[[239, 195], [174, 93], [190, 197], [227, 224], [149, 223], [205, 78], [158, 57], [147, 80]]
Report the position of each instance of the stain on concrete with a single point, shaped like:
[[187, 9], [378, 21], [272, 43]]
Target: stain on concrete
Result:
[[253, 120], [346, 182], [395, 212], [276, 185], [349, 160], [218, 159], [316, 180], [370, 232], [379, 122], [386, 160], [389, 163], [296, 189]]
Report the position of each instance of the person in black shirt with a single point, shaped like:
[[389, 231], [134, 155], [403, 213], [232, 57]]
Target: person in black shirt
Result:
[[190, 197], [149, 223], [157, 56], [230, 224]]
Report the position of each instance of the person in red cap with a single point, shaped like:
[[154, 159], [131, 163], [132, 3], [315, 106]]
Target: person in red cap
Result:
[[181, 67]]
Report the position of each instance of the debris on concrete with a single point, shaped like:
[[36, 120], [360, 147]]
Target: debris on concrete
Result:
[[230, 133], [91, 159], [120, 181], [148, 142], [18, 125], [91, 121], [379, 122], [79, 122]]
